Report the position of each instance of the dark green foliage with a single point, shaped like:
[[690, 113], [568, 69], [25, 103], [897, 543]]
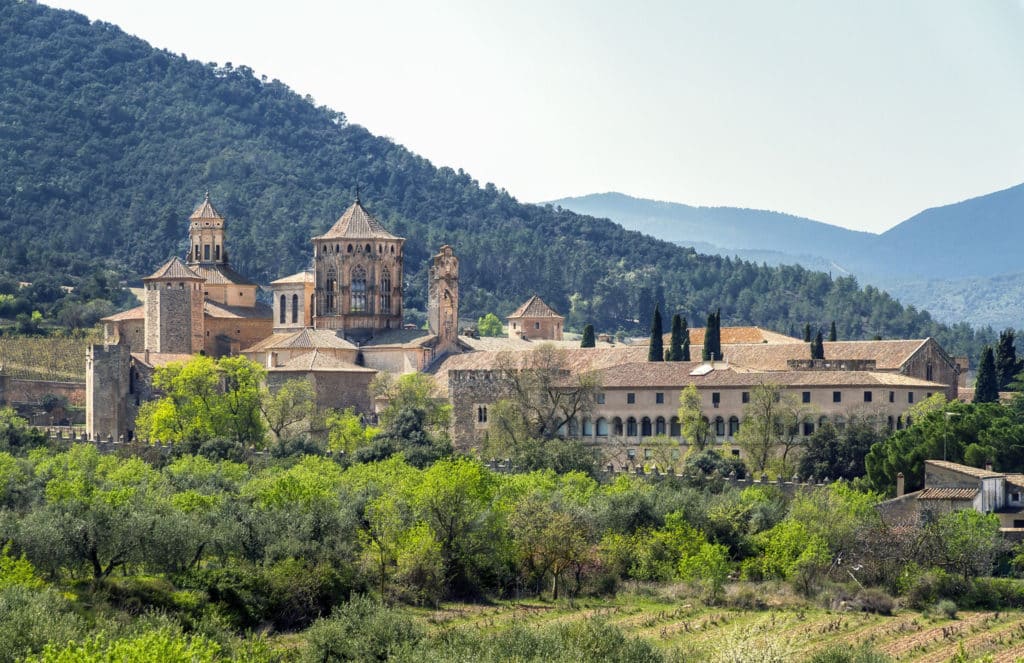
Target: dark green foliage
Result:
[[807, 333], [656, 349], [675, 347], [1007, 363], [707, 462], [839, 454], [986, 389], [873, 599], [588, 337], [817, 347], [94, 123], [406, 432], [832, 336], [712, 348], [30, 618]]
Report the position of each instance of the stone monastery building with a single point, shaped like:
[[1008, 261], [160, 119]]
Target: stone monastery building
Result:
[[341, 322]]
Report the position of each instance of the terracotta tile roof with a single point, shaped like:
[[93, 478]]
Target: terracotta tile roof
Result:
[[357, 223], [174, 269], [732, 335], [318, 361], [220, 275], [976, 472], [159, 358], [678, 374], [304, 338], [966, 395], [534, 307], [399, 338], [217, 310], [948, 494], [206, 210], [305, 276], [888, 355], [137, 313], [518, 344]]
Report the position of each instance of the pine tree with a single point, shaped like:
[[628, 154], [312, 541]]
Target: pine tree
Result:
[[588, 337], [656, 351], [832, 332], [675, 347], [986, 389], [817, 347], [807, 333], [1007, 364]]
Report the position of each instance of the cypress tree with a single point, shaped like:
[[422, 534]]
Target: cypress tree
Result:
[[832, 332], [716, 346], [1007, 364], [986, 389], [656, 351], [588, 337], [807, 333], [686, 345], [709, 338], [675, 347], [817, 347]]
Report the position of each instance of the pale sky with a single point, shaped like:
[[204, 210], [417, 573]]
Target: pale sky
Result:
[[858, 113]]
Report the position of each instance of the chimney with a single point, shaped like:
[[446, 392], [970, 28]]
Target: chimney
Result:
[[145, 357], [271, 360], [899, 485], [988, 467]]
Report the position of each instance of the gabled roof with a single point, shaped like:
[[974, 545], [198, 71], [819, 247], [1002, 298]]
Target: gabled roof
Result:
[[220, 275], [732, 335], [174, 269], [357, 223], [214, 309], [405, 338], [887, 355], [534, 307], [305, 276], [318, 361], [967, 470], [206, 210], [948, 494], [302, 339]]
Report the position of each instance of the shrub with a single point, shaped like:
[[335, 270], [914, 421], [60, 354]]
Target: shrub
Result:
[[875, 600], [844, 654], [923, 587], [946, 608], [30, 618], [361, 630], [995, 593]]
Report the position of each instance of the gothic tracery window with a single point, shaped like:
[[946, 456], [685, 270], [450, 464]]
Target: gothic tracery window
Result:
[[331, 287], [358, 300], [385, 292]]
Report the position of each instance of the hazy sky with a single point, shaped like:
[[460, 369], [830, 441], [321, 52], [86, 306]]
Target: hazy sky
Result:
[[859, 113]]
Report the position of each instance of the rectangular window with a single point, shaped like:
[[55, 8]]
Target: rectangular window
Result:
[[837, 397], [631, 398], [716, 398], [806, 397], [536, 325], [736, 453], [659, 397], [910, 397], [631, 453], [892, 396], [599, 399], [647, 454], [867, 396], [206, 251], [745, 397], [808, 428]]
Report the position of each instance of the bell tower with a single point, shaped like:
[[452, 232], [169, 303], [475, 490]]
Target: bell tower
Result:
[[443, 298], [206, 236]]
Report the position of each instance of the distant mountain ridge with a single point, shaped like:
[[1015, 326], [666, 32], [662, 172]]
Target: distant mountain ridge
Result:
[[955, 260]]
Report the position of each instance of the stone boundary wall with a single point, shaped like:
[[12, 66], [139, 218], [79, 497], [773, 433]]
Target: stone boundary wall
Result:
[[20, 390]]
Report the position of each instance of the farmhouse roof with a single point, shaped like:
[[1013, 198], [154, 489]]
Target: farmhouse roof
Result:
[[534, 307]]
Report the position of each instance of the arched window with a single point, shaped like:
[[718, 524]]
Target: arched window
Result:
[[385, 291], [350, 248], [645, 427], [357, 304], [674, 427], [822, 421], [601, 427], [588, 427], [295, 308], [331, 287], [481, 414], [617, 426], [719, 427], [281, 313], [369, 249], [734, 425], [631, 427], [891, 423], [574, 428], [840, 422], [659, 426]]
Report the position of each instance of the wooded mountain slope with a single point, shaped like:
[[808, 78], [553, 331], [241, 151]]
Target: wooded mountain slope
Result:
[[106, 145]]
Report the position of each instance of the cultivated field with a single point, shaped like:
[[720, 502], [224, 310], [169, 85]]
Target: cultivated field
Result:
[[32, 358], [792, 631]]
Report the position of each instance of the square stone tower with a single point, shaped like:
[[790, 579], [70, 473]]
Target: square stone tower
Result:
[[174, 309], [443, 297]]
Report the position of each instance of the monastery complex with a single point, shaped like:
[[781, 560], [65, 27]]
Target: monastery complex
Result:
[[340, 323]]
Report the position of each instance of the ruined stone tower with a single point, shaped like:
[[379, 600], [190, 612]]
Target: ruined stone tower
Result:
[[443, 299], [174, 309]]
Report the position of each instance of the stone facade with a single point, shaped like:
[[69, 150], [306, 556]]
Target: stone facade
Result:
[[535, 320], [443, 299], [174, 316], [107, 387]]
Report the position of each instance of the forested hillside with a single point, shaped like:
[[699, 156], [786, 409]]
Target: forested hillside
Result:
[[106, 145]]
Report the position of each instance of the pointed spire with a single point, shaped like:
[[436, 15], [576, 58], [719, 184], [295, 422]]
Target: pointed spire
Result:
[[206, 210]]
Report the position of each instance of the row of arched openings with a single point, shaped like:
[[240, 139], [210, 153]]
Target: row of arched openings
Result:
[[282, 313], [357, 291]]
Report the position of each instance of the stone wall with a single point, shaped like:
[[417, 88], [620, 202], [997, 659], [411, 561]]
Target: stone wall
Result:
[[231, 335], [170, 318], [468, 390], [943, 368], [335, 390], [16, 390], [107, 382]]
